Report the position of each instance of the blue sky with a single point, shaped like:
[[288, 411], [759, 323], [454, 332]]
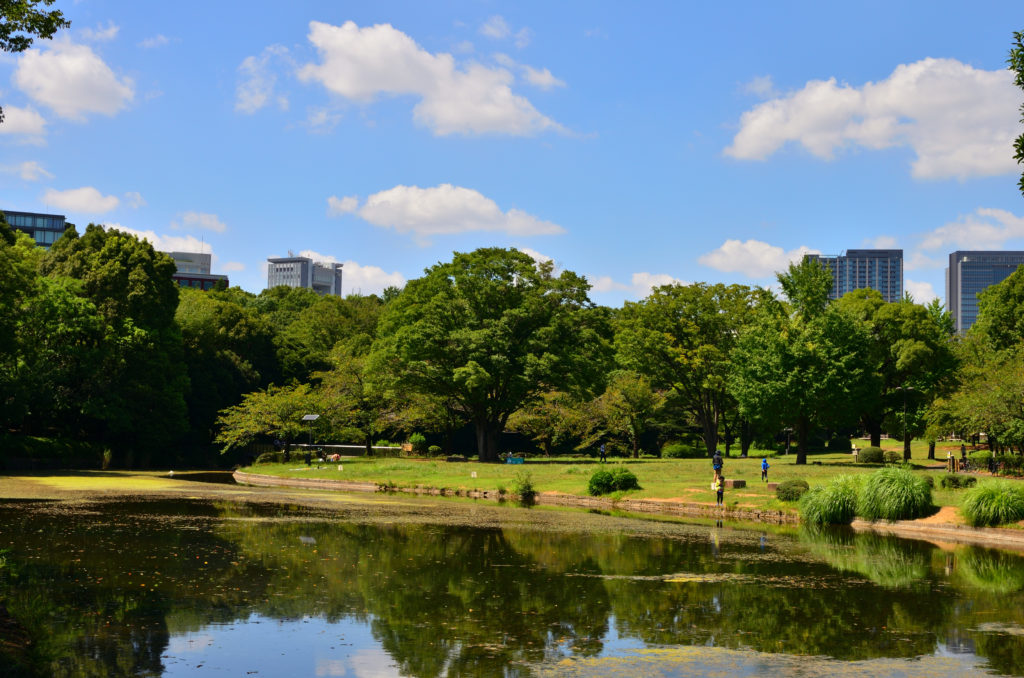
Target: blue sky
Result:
[[635, 144]]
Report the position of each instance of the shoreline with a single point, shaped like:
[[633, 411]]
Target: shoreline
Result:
[[925, 529]]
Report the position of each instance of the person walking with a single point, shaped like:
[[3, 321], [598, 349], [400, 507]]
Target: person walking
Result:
[[764, 469], [603, 456]]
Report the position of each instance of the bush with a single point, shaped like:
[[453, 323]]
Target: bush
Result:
[[618, 479], [418, 442], [834, 504], [522, 485], [870, 455], [680, 451], [894, 494], [980, 458], [954, 481], [791, 490], [434, 450], [1010, 464], [276, 457], [892, 457], [994, 503]]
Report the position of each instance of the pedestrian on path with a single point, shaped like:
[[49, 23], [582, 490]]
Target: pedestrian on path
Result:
[[719, 489], [764, 469]]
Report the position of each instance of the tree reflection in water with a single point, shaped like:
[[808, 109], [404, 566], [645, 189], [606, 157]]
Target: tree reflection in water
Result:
[[99, 590]]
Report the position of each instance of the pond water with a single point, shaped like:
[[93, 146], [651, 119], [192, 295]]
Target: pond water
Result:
[[388, 587]]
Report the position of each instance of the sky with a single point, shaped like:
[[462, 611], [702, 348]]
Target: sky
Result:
[[636, 144]]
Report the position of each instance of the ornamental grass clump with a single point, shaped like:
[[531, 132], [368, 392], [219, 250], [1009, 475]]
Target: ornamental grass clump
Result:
[[833, 504], [994, 503], [894, 494]]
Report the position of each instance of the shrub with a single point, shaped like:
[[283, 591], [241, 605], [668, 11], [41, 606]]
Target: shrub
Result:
[[993, 503], [955, 481], [894, 494], [870, 455], [680, 451], [418, 442], [791, 490], [834, 504], [1010, 464], [522, 485], [618, 479], [892, 457], [434, 450], [930, 480], [980, 458]]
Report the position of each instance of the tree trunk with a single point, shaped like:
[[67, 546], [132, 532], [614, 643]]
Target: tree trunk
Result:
[[368, 443], [746, 438], [802, 426], [636, 447], [874, 430], [931, 449], [487, 441], [906, 445]]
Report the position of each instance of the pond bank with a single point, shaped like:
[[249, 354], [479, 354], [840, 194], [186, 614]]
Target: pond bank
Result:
[[942, 528]]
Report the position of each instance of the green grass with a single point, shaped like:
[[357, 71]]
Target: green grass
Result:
[[894, 494], [833, 504]]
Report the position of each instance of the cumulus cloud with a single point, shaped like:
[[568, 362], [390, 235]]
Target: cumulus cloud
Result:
[[24, 121], [30, 170], [922, 292], [101, 33], [85, 200], [496, 27], [640, 284], [165, 243], [72, 80], [256, 89], [134, 199], [754, 258], [201, 221], [357, 278], [337, 206], [541, 78], [361, 63], [959, 121], [986, 229], [322, 120], [444, 210]]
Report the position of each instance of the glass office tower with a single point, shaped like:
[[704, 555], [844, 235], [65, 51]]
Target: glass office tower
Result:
[[44, 228], [880, 270], [968, 274]]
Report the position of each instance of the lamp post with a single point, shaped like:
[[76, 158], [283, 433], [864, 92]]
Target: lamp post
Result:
[[789, 431], [310, 419]]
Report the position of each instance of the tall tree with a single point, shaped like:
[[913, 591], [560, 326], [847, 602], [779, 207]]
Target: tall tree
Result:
[[21, 21], [680, 338], [489, 331], [628, 407], [1015, 62], [1001, 312]]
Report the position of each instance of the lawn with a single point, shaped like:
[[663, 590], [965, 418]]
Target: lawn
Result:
[[685, 479]]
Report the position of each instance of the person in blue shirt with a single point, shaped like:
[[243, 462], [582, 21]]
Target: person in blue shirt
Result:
[[764, 469]]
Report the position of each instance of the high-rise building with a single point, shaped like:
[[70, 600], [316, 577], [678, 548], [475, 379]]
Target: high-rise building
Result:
[[44, 228], [968, 274], [193, 270], [880, 270], [304, 272]]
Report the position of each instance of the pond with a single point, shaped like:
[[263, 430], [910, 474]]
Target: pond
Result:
[[385, 586]]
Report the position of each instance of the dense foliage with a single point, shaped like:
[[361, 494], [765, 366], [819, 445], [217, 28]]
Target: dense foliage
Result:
[[616, 479], [894, 494], [993, 503]]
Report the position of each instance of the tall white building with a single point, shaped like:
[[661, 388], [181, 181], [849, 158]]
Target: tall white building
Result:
[[193, 270], [304, 272]]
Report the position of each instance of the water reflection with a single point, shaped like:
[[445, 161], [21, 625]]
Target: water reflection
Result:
[[147, 588]]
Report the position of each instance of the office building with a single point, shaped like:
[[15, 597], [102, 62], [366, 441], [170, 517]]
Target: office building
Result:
[[968, 274], [44, 228], [880, 270], [193, 270], [304, 272]]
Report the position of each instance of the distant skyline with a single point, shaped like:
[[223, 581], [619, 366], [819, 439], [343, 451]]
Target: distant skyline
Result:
[[635, 145]]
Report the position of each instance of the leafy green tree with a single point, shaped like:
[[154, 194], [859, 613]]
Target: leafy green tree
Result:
[[550, 421], [788, 370], [1001, 312], [274, 412], [807, 285], [629, 406], [680, 338], [489, 332], [1015, 62], [21, 21]]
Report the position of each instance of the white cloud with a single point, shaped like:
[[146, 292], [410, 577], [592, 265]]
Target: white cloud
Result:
[[85, 200], [640, 284], [986, 229], [322, 120], [522, 38], [959, 121], [918, 261], [882, 242], [448, 209], [165, 243], [134, 199], [72, 80], [361, 63], [605, 283], [754, 258], [256, 88], [496, 27], [541, 78], [30, 170], [22, 121], [201, 221], [356, 278], [100, 33], [233, 266], [338, 206], [922, 292], [535, 255], [761, 86], [154, 42]]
